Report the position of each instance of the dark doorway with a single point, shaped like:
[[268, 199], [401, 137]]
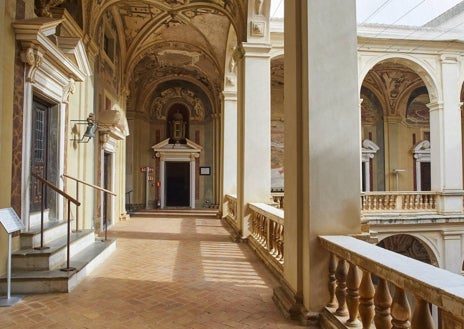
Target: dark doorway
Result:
[[39, 154], [106, 221], [425, 176], [177, 184]]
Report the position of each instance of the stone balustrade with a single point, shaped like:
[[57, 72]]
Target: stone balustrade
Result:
[[266, 225], [398, 201], [371, 287], [230, 210], [278, 199]]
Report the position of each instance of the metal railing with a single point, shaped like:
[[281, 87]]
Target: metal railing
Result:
[[46, 183], [77, 197]]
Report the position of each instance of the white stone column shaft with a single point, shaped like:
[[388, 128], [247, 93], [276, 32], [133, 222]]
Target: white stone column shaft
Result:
[[322, 144], [192, 182], [254, 129], [452, 251], [367, 175], [229, 144], [162, 191], [446, 145]]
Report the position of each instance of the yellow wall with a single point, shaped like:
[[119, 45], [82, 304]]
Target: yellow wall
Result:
[[7, 12]]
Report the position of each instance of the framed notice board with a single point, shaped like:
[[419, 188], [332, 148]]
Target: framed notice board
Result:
[[10, 221]]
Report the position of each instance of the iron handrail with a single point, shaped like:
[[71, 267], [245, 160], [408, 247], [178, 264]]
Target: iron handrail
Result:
[[92, 186], [70, 199]]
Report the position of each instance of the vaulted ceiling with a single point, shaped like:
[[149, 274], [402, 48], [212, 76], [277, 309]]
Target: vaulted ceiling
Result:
[[165, 38], [158, 40]]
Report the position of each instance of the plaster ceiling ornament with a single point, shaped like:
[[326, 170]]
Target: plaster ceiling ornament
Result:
[[368, 113], [172, 57], [42, 7], [169, 96], [393, 80], [259, 7], [277, 71], [417, 112]]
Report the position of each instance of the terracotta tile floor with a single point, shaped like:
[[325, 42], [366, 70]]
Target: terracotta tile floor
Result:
[[165, 273]]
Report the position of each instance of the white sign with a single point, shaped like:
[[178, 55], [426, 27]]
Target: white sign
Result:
[[10, 221]]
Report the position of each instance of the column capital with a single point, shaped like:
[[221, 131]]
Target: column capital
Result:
[[227, 95], [449, 58], [435, 106], [251, 49]]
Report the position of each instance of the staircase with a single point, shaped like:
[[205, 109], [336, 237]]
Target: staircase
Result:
[[35, 271]]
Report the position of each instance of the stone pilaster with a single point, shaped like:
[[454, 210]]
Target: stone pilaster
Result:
[[254, 128], [322, 146], [229, 144], [446, 145]]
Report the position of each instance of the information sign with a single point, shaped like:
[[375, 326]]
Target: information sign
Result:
[[10, 221]]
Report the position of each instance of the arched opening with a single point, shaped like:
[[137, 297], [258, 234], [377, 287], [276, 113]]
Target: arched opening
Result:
[[395, 116], [410, 246]]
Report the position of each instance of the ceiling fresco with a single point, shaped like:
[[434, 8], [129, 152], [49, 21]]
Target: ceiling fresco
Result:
[[169, 39], [393, 84], [277, 71]]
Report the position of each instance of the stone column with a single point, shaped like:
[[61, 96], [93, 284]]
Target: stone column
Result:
[[446, 145], [452, 260], [216, 170], [229, 145], [192, 181], [254, 129], [322, 146]]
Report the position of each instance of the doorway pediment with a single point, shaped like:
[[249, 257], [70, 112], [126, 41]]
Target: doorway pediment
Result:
[[186, 151]]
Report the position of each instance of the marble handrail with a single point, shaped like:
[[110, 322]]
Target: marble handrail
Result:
[[355, 300], [398, 201], [266, 226]]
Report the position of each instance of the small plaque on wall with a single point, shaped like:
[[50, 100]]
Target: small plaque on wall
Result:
[[205, 171]]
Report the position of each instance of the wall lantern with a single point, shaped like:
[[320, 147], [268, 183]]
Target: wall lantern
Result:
[[89, 131]]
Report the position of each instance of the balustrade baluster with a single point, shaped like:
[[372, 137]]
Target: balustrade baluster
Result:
[[264, 230], [253, 224], [375, 201], [280, 243], [271, 238], [400, 202], [363, 202], [418, 202], [332, 280], [268, 234], [421, 318], [366, 301], [400, 310], [352, 295], [340, 291], [382, 301]]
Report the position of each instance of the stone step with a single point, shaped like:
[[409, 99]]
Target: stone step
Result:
[[52, 229], [204, 212], [40, 282], [29, 259]]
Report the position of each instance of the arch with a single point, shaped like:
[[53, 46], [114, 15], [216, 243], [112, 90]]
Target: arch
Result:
[[194, 98], [233, 11], [423, 69], [411, 246]]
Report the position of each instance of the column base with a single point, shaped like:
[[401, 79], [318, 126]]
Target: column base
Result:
[[123, 217], [291, 306]]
